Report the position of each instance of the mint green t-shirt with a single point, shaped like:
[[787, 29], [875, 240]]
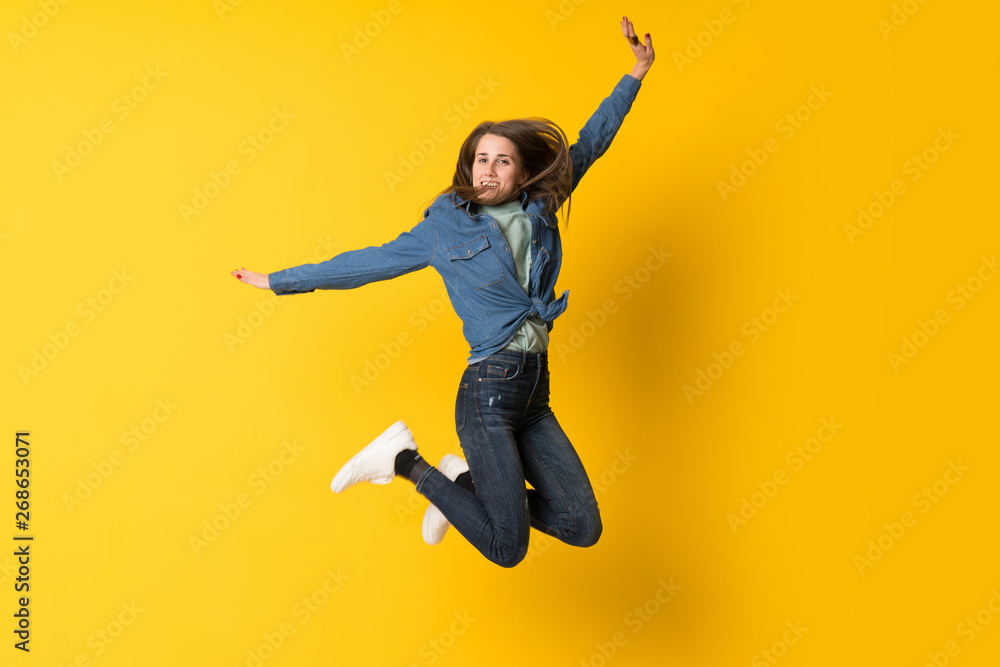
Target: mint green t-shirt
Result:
[[533, 336]]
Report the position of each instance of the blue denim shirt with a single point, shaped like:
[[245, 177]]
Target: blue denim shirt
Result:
[[470, 252]]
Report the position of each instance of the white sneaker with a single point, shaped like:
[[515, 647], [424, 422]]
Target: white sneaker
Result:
[[435, 525], [376, 463]]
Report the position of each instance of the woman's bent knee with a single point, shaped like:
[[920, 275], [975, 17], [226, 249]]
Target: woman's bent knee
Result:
[[587, 531], [510, 557]]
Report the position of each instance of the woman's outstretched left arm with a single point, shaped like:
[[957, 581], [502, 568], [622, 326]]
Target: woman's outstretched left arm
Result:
[[643, 50], [410, 251]]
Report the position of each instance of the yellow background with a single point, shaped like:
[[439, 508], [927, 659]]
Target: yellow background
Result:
[[668, 469]]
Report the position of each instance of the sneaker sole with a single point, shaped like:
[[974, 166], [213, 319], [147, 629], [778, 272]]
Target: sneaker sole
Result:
[[346, 472]]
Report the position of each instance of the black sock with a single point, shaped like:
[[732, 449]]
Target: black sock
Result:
[[410, 464], [465, 481]]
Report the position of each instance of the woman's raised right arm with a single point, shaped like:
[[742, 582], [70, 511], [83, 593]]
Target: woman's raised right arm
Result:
[[597, 134]]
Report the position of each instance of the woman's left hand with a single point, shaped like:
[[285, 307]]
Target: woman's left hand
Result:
[[643, 50]]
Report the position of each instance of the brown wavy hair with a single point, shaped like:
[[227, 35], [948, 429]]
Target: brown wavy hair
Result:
[[543, 151]]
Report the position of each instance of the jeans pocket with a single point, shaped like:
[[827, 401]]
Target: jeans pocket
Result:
[[494, 370]]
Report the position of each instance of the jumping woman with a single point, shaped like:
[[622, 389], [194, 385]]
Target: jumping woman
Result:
[[493, 236]]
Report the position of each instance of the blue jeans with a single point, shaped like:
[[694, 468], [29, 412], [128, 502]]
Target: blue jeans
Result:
[[509, 434]]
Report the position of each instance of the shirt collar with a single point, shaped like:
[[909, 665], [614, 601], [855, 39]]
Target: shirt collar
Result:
[[460, 202]]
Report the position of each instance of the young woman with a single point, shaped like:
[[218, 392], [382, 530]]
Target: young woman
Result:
[[494, 238]]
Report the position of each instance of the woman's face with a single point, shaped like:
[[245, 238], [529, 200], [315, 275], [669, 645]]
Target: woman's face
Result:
[[497, 168]]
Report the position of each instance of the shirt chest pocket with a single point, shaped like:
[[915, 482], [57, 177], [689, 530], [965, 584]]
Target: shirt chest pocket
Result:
[[475, 262]]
